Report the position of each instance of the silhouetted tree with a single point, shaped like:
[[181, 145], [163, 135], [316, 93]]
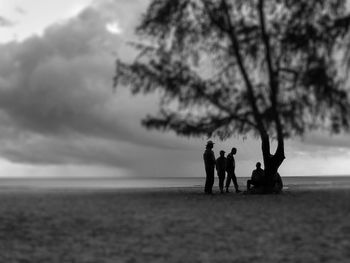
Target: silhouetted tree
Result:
[[224, 67]]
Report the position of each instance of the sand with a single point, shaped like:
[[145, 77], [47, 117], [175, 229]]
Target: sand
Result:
[[174, 225]]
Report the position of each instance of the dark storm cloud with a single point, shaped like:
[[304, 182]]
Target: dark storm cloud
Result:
[[57, 82], [328, 140], [4, 22], [57, 104], [61, 83]]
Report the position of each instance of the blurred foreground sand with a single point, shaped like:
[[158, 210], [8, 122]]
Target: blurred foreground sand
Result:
[[174, 225]]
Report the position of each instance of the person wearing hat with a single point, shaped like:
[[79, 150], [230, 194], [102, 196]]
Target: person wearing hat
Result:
[[221, 170], [209, 163], [230, 169]]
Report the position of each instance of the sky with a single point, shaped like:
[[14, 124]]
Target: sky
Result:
[[61, 117]]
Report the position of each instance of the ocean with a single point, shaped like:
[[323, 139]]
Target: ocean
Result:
[[125, 183]]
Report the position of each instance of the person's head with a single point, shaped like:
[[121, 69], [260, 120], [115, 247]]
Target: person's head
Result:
[[210, 145], [258, 165], [233, 150], [222, 153]]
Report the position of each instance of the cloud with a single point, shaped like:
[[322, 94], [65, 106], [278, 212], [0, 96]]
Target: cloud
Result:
[[20, 10], [56, 82], [57, 104], [4, 22], [58, 107], [325, 139]]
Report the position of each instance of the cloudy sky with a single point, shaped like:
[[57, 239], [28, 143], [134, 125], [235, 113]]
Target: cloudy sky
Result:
[[59, 115]]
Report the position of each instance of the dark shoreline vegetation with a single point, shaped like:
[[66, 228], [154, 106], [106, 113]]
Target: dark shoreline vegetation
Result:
[[174, 225]]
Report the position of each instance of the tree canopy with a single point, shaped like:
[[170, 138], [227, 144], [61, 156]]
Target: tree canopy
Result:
[[276, 67]]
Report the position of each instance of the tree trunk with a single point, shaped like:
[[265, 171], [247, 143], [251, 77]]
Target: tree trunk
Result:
[[272, 182]]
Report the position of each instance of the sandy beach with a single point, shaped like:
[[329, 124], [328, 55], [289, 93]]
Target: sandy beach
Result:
[[174, 225]]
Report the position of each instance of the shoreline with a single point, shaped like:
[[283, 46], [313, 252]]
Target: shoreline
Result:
[[117, 184]]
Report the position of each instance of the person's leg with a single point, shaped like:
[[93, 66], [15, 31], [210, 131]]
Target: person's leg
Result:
[[207, 181], [234, 179], [206, 186], [249, 182], [211, 181], [228, 181], [221, 181]]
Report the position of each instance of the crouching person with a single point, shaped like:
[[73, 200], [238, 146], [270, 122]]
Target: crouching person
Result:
[[257, 178]]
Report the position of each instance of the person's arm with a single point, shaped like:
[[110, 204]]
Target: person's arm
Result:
[[213, 158], [253, 177]]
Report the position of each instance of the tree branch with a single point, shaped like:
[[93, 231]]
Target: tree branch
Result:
[[159, 77], [266, 42], [217, 104], [272, 78], [236, 51], [185, 125]]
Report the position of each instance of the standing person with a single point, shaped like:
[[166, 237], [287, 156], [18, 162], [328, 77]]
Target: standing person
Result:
[[221, 170], [230, 168], [209, 163]]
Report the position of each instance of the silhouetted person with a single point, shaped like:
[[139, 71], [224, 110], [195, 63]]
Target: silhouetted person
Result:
[[209, 163], [257, 178], [221, 170], [230, 168]]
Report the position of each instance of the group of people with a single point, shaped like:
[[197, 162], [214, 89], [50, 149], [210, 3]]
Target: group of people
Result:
[[227, 165], [223, 165]]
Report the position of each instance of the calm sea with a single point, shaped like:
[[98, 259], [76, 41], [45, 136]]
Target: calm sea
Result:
[[117, 183]]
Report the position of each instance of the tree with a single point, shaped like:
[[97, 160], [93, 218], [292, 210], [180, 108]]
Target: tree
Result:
[[223, 67]]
